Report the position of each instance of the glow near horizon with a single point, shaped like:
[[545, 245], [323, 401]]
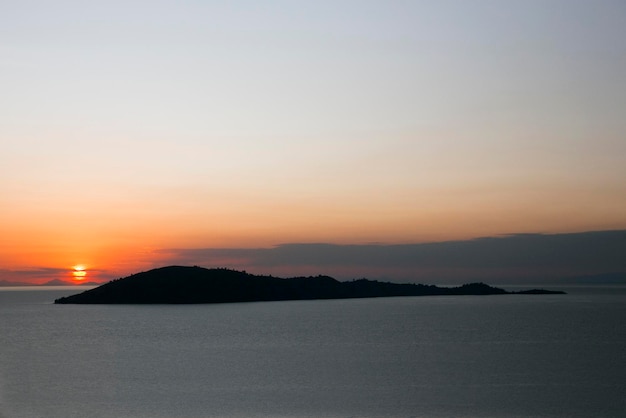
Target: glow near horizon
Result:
[[132, 127]]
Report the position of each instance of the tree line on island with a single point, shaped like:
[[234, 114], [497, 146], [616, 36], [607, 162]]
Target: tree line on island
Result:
[[179, 285]]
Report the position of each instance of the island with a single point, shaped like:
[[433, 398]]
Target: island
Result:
[[187, 285]]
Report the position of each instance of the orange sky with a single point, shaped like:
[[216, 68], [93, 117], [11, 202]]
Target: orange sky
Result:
[[144, 133]]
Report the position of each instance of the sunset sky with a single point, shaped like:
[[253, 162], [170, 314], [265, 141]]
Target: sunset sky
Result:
[[136, 133]]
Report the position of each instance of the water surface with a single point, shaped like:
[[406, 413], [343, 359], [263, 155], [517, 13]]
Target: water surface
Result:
[[463, 356]]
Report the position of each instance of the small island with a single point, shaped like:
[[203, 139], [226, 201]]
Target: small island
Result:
[[186, 285]]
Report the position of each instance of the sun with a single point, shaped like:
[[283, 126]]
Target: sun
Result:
[[79, 272]]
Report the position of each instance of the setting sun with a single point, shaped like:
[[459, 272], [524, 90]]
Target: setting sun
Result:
[[79, 272]]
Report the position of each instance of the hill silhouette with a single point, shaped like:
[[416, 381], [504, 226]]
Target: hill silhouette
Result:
[[178, 285]]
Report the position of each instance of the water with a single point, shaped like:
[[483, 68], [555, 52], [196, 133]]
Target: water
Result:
[[494, 356]]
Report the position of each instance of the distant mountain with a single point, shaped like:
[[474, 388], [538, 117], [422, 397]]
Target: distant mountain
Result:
[[58, 282], [55, 282], [177, 285]]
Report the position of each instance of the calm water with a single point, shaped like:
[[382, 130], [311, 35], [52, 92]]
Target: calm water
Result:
[[494, 356]]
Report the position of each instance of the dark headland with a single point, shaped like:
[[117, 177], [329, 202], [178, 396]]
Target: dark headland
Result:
[[177, 285]]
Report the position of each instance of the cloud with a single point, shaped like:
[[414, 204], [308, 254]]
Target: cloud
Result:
[[37, 273], [44, 274], [33, 275], [507, 257]]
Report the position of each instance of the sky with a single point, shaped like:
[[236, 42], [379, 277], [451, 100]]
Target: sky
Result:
[[136, 133]]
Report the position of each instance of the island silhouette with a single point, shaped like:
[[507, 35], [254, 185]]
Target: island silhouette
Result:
[[181, 285]]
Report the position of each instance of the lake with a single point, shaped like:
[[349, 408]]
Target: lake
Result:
[[435, 356]]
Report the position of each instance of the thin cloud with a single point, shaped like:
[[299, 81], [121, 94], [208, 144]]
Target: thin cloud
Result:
[[44, 274]]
